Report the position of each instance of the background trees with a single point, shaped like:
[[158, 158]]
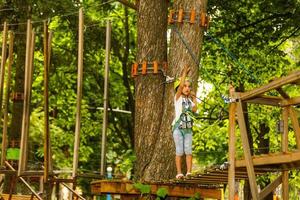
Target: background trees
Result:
[[248, 43]]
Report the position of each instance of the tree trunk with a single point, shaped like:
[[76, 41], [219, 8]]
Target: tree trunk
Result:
[[149, 90], [154, 101]]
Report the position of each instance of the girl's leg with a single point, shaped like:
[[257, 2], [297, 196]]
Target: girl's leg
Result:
[[178, 164], [188, 151], [178, 139], [189, 159]]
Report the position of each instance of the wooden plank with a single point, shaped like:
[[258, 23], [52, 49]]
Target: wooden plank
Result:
[[6, 98], [79, 92], [271, 159], [22, 159], [295, 76], [232, 140], [17, 197], [247, 154], [285, 185], [284, 143], [266, 100], [3, 61], [271, 187], [295, 123], [118, 187], [283, 93], [105, 99], [46, 105], [290, 102]]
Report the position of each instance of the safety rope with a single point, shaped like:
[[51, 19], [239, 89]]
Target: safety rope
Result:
[[197, 62]]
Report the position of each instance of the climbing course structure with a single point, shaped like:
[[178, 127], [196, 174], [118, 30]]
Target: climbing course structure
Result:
[[284, 160]]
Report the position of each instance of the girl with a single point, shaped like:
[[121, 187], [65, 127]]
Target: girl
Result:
[[185, 103]]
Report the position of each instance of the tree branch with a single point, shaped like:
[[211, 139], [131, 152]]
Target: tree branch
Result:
[[295, 30], [128, 4]]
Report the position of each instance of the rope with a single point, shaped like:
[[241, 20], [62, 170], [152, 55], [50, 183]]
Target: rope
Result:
[[197, 61]]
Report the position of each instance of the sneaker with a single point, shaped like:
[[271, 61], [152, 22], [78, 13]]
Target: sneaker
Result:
[[188, 175], [179, 176]]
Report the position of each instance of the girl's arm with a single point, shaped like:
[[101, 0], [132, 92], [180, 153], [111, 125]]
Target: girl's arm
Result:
[[184, 73], [194, 99]]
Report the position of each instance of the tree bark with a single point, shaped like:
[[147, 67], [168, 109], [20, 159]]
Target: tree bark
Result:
[[154, 101], [149, 90]]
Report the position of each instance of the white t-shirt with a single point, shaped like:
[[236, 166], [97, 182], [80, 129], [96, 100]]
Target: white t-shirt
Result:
[[178, 106]]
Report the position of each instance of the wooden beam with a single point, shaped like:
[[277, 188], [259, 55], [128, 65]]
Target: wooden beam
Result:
[[295, 124], [46, 105], [247, 154], [272, 85], [79, 92], [3, 61], [126, 187], [232, 140], [291, 101], [26, 183], [271, 187], [266, 100], [283, 93], [105, 100], [284, 147], [25, 121], [6, 98], [271, 159]]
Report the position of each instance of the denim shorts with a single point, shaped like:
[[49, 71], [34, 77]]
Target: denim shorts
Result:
[[183, 142]]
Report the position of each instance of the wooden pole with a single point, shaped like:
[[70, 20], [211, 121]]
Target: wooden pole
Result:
[[6, 98], [285, 173], [232, 140], [247, 154], [3, 61], [25, 105], [30, 76], [46, 106], [79, 93], [295, 123], [105, 112], [50, 35]]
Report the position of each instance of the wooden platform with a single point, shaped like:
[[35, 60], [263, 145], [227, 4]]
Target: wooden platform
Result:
[[175, 189], [279, 160], [17, 197]]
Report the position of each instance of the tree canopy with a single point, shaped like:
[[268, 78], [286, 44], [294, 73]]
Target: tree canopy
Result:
[[247, 44]]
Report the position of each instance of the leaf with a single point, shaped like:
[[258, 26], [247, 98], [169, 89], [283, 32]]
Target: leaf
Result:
[[162, 192], [144, 189]]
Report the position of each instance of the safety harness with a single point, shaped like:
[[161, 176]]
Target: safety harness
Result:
[[185, 121]]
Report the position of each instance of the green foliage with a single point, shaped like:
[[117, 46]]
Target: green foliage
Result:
[[144, 189], [161, 193]]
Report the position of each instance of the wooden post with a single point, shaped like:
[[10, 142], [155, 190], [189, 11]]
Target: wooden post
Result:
[[247, 154], [285, 173], [79, 94], [295, 124], [3, 61], [106, 78], [232, 140], [50, 35], [46, 106], [22, 158], [6, 98]]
